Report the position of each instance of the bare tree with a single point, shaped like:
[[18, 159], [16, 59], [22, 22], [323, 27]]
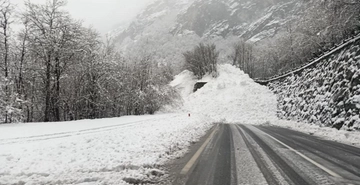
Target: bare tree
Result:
[[5, 22], [202, 60], [243, 57], [52, 38]]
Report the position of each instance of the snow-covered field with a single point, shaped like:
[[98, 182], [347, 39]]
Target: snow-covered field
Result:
[[95, 151], [107, 151]]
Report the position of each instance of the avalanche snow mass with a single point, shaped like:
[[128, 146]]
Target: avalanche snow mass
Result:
[[232, 97]]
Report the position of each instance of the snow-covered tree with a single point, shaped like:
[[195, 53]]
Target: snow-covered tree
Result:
[[202, 60], [52, 38], [243, 57]]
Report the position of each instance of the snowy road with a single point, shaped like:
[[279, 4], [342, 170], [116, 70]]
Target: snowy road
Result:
[[244, 154]]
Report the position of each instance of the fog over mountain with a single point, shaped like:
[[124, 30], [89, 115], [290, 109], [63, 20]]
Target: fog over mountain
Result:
[[252, 20]]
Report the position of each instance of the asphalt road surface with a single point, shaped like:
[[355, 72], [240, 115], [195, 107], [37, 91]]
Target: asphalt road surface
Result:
[[244, 154]]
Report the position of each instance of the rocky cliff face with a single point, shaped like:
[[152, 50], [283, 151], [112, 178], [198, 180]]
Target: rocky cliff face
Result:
[[327, 94], [158, 18], [250, 19]]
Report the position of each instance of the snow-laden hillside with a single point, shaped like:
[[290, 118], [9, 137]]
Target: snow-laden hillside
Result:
[[250, 19], [157, 18]]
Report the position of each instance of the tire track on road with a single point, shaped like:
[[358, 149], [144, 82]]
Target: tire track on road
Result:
[[265, 170], [323, 152], [282, 165]]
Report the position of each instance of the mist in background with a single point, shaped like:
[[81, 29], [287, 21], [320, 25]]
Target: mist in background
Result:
[[103, 15]]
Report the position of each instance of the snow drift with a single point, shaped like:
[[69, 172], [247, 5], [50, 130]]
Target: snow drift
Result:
[[232, 97]]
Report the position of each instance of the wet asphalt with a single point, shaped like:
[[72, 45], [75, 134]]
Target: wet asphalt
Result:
[[245, 154]]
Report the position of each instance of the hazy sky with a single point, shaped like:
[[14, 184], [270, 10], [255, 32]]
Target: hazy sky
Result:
[[101, 14]]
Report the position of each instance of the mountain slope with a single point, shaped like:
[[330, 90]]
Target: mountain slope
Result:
[[250, 19], [246, 18], [158, 16]]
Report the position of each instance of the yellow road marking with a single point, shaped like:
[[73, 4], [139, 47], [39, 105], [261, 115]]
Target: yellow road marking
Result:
[[194, 158]]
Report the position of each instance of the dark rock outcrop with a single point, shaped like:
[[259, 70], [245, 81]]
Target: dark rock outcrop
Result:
[[198, 86]]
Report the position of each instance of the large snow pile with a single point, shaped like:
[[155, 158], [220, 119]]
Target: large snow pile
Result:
[[327, 94], [232, 97], [106, 151]]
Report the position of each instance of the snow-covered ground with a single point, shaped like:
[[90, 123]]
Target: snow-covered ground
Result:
[[95, 151], [33, 130], [106, 151]]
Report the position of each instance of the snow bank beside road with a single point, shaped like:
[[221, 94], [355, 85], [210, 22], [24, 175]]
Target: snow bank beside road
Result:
[[102, 157]]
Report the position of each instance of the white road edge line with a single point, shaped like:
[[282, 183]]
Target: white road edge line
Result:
[[194, 158], [332, 173]]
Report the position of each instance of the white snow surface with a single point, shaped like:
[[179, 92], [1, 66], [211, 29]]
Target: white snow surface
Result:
[[105, 151], [184, 83], [95, 151], [232, 97]]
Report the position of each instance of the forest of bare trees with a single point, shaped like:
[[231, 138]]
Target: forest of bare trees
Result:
[[55, 69]]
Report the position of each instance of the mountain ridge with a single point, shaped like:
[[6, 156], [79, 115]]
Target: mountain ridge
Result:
[[252, 20]]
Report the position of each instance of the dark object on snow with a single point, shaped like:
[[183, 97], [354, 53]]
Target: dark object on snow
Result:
[[131, 180], [198, 85], [262, 82]]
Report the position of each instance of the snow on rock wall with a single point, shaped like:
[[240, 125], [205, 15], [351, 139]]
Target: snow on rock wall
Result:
[[327, 94], [253, 20]]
